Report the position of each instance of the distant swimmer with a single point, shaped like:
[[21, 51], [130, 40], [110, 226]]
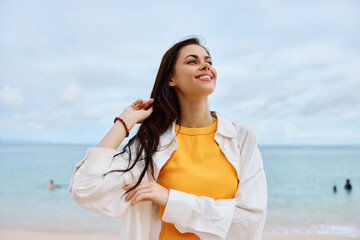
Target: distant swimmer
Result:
[[334, 189], [347, 185], [52, 185]]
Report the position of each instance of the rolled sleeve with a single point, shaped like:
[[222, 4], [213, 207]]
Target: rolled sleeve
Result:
[[207, 218], [92, 188], [98, 160], [251, 197]]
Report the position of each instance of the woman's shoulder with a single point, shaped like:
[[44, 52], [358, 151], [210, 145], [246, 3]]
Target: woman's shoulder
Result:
[[243, 128], [246, 139], [244, 134], [241, 131]]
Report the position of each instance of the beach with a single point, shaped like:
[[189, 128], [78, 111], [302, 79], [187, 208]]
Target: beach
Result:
[[20, 235]]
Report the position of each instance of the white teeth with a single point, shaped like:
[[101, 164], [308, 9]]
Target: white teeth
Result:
[[205, 77]]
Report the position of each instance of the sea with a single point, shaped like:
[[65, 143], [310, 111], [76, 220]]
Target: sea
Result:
[[300, 182]]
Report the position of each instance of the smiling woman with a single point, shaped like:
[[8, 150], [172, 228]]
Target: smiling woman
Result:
[[187, 173]]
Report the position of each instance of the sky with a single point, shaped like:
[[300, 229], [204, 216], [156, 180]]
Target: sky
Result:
[[290, 70]]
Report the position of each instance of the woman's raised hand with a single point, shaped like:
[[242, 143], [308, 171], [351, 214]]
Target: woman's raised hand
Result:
[[137, 112]]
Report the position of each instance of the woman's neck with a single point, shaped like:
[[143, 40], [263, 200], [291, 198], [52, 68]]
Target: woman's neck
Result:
[[195, 113]]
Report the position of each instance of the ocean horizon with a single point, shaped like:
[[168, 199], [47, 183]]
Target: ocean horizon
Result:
[[300, 189]]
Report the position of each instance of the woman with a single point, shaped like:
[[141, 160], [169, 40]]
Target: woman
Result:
[[187, 173]]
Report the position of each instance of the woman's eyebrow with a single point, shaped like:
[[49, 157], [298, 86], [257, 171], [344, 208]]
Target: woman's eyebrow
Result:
[[196, 56]]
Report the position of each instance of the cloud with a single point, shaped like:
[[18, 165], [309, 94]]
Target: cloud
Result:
[[71, 94], [300, 81], [341, 101], [88, 114], [319, 135], [10, 97]]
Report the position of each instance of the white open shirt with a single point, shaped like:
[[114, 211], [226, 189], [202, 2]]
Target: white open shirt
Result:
[[240, 218]]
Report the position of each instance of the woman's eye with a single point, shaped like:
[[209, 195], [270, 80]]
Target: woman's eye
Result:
[[210, 63], [192, 61]]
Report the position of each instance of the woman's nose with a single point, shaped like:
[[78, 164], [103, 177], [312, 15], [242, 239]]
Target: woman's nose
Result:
[[206, 66]]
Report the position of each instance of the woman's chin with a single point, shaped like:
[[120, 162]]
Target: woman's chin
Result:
[[204, 92]]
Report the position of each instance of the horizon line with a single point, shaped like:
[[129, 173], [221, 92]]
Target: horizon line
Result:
[[5, 142]]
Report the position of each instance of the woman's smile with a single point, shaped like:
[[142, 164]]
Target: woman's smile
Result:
[[205, 76]]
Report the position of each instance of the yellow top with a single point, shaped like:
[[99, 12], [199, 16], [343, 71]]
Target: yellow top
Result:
[[198, 167]]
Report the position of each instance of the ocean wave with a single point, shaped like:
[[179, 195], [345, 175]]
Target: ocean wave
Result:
[[321, 229]]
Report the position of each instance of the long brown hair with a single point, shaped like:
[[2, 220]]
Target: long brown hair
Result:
[[166, 110]]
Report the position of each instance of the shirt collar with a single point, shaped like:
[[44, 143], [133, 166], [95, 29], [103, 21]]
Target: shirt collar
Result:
[[224, 128]]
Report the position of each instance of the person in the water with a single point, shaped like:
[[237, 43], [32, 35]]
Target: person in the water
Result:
[[347, 185], [52, 185]]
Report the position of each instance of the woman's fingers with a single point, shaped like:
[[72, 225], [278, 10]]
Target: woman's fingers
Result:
[[146, 191], [145, 196], [142, 104], [136, 103], [132, 192], [145, 104], [150, 110], [141, 186], [131, 185], [150, 101], [128, 186], [140, 194]]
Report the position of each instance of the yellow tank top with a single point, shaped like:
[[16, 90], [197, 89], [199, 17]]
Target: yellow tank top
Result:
[[198, 167]]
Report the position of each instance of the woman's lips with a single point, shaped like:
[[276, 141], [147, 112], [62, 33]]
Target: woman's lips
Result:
[[205, 77]]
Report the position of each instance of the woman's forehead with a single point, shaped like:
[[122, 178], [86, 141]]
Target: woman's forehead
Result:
[[193, 49]]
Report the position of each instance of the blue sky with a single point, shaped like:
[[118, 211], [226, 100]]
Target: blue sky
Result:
[[288, 69]]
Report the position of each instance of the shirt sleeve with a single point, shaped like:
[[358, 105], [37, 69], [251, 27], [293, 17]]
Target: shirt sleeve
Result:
[[240, 218], [208, 218], [251, 199], [92, 188]]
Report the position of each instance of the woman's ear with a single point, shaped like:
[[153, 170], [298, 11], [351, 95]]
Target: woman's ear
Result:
[[171, 83]]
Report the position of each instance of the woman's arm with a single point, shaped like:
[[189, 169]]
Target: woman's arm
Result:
[[90, 186], [251, 200]]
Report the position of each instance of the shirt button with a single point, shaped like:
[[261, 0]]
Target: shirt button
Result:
[[226, 147]]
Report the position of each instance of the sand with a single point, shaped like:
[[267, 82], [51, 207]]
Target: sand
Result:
[[22, 235]]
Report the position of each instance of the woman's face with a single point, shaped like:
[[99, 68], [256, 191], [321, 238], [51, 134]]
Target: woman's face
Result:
[[193, 73]]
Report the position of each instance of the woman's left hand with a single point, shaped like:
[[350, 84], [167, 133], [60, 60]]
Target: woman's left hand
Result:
[[147, 191]]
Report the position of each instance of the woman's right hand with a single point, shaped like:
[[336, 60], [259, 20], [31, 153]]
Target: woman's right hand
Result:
[[137, 112]]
